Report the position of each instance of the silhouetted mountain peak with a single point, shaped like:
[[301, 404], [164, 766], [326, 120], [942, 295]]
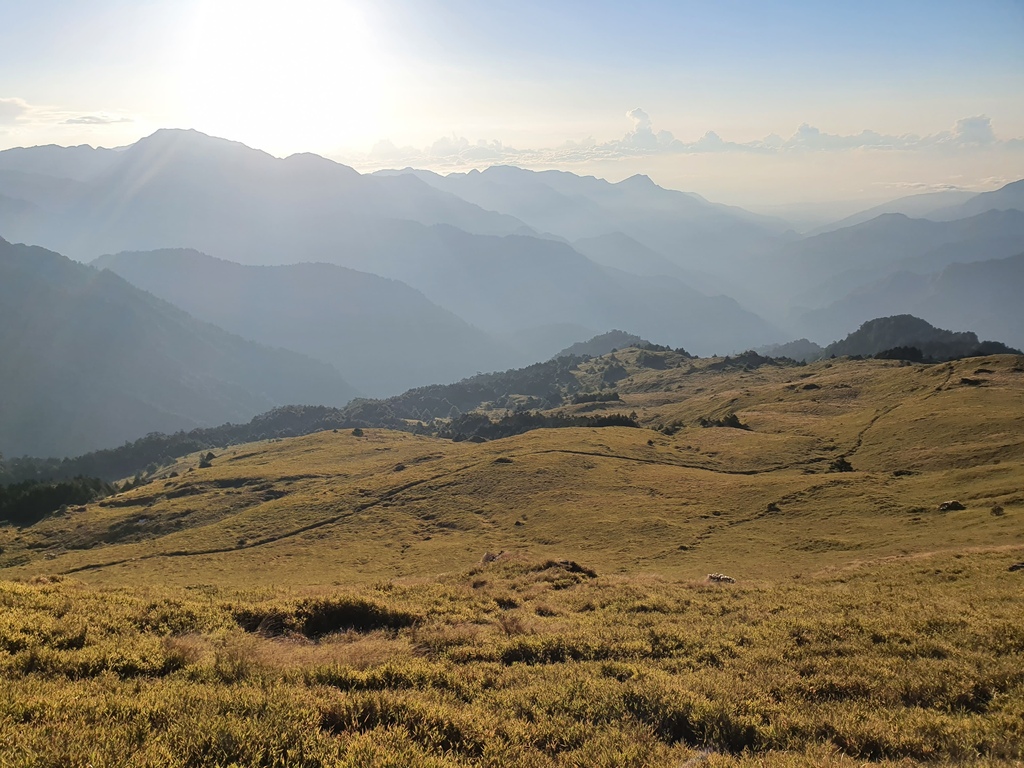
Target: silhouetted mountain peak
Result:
[[312, 163], [638, 181], [177, 144]]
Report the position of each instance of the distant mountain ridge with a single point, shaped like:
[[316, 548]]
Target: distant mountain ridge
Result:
[[186, 189], [906, 331], [982, 295], [182, 189], [681, 227], [1008, 197], [819, 270], [922, 206], [91, 361], [384, 336]]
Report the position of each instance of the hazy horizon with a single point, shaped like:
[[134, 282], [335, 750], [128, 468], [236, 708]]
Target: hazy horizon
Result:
[[750, 104]]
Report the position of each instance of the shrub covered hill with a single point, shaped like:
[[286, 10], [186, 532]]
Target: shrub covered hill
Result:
[[900, 337], [517, 399], [778, 565], [889, 335]]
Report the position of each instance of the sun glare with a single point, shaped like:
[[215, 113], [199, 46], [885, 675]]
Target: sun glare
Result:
[[286, 76]]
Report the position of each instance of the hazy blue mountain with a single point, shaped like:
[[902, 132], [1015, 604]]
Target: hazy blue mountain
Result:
[[512, 283], [800, 349], [905, 331], [1009, 197], [185, 189], [819, 270], [921, 206], [687, 229], [384, 336], [984, 296], [620, 251], [82, 163], [90, 361]]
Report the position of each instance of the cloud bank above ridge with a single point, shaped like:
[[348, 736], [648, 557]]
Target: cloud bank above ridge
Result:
[[643, 140]]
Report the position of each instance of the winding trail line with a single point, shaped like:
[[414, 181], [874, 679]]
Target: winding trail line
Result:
[[385, 496], [889, 409]]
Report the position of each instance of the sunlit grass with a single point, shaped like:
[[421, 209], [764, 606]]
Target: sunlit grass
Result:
[[324, 600]]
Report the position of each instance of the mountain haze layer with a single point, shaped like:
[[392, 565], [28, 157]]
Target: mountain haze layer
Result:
[[684, 228], [184, 189], [981, 295], [384, 336], [91, 361], [814, 272]]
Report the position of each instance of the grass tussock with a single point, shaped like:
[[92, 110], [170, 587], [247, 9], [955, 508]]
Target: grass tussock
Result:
[[886, 664]]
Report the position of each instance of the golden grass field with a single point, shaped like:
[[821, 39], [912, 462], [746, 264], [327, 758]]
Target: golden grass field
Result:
[[323, 600]]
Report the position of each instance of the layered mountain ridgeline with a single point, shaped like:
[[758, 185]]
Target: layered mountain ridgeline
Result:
[[926, 205], [819, 270], [503, 284], [982, 295], [184, 189], [91, 361], [895, 337], [1008, 197], [645, 258], [384, 336], [675, 225]]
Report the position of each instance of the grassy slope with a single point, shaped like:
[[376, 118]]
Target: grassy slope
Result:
[[864, 625], [331, 508]]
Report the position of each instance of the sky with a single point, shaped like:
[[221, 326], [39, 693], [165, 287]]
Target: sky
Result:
[[751, 103]]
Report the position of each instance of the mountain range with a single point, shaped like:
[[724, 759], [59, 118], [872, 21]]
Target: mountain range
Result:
[[377, 283], [184, 189], [983, 295], [816, 272], [91, 361], [383, 335]]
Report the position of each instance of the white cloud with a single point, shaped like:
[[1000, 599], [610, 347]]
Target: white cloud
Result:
[[12, 110], [974, 130], [95, 120], [643, 140], [923, 186], [18, 112], [643, 136]]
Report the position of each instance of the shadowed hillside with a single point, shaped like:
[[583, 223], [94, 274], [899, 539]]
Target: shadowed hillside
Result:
[[90, 361], [982, 295], [383, 335]]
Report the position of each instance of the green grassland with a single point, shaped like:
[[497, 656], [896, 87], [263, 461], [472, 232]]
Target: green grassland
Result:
[[325, 600]]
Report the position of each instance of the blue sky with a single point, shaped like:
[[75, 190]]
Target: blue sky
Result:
[[523, 78]]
